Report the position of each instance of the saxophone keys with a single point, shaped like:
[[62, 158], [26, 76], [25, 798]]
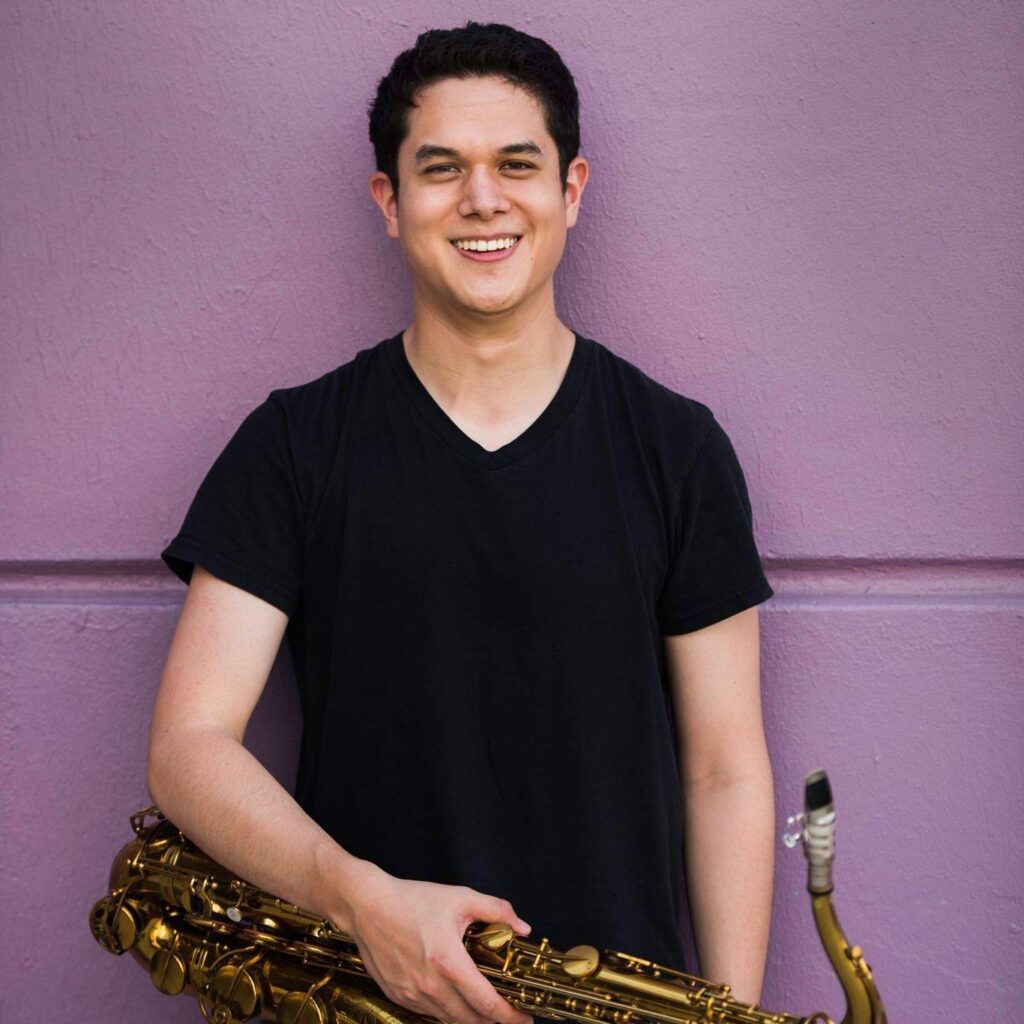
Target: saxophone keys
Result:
[[167, 972], [234, 987], [113, 926], [581, 961], [494, 936], [302, 1008]]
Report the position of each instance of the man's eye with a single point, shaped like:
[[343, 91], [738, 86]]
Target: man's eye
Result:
[[446, 167]]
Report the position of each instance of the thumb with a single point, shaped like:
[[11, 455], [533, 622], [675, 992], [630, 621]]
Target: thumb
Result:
[[492, 909]]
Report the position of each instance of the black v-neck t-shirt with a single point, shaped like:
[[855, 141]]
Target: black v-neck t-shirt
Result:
[[477, 635]]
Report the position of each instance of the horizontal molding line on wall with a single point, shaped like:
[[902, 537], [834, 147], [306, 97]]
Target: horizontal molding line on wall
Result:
[[800, 583]]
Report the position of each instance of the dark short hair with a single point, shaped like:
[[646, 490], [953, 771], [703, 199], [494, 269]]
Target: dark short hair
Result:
[[475, 50]]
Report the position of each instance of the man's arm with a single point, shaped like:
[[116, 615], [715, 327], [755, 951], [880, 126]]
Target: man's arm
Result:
[[409, 932], [729, 809], [208, 784]]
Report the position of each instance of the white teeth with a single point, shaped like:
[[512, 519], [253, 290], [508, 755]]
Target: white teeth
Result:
[[497, 243]]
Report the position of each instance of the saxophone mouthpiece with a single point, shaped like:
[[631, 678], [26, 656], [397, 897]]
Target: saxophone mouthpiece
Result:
[[817, 792], [819, 832]]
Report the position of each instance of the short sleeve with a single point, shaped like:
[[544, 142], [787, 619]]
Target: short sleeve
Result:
[[244, 524], [714, 568]]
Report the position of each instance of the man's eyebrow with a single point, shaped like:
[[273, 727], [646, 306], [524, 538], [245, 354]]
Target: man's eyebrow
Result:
[[428, 151]]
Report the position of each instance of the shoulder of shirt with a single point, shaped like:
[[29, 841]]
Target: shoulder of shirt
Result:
[[313, 413], [316, 407], [310, 392], [663, 416], [310, 418]]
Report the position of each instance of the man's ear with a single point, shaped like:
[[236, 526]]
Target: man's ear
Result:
[[384, 196], [576, 176]]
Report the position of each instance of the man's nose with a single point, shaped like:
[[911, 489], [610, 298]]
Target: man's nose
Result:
[[484, 191]]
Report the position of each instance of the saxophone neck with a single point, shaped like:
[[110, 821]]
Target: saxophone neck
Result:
[[863, 1003], [818, 836]]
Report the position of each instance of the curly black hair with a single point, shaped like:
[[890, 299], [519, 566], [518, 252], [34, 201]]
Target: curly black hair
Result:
[[475, 50]]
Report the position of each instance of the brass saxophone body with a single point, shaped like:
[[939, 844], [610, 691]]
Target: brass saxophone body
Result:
[[244, 953]]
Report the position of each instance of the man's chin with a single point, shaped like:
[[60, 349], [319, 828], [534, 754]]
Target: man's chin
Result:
[[488, 305]]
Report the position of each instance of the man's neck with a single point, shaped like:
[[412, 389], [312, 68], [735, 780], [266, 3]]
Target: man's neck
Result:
[[489, 373], [493, 386]]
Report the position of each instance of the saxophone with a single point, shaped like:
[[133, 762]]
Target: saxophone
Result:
[[244, 953]]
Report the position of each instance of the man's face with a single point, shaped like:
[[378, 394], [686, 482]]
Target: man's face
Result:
[[479, 191]]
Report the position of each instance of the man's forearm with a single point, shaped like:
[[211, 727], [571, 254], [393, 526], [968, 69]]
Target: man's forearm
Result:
[[224, 800], [729, 840]]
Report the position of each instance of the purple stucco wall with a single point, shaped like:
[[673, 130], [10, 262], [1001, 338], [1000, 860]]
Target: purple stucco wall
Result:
[[808, 216]]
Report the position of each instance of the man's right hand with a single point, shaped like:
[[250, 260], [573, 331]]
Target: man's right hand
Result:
[[409, 934]]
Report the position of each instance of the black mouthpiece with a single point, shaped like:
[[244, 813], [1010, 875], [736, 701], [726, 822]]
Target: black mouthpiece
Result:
[[817, 791]]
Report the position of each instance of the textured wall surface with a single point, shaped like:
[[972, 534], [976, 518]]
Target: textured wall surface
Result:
[[808, 216]]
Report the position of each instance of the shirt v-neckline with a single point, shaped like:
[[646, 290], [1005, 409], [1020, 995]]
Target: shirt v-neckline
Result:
[[529, 440]]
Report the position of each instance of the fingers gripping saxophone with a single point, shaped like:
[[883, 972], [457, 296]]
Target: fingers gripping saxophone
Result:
[[243, 953]]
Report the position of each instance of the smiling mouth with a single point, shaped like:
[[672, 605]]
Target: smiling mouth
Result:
[[486, 245], [488, 255]]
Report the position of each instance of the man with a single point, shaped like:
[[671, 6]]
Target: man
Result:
[[519, 586]]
